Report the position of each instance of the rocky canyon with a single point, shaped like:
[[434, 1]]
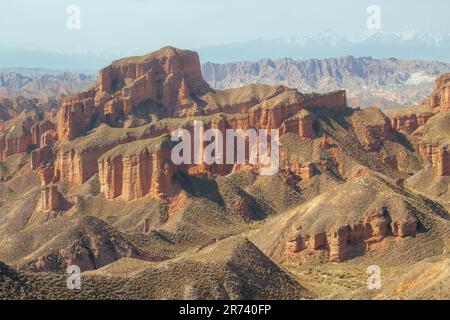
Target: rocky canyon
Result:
[[89, 179]]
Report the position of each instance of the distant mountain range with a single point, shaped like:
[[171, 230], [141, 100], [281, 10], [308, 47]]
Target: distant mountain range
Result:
[[387, 83], [35, 83], [406, 45]]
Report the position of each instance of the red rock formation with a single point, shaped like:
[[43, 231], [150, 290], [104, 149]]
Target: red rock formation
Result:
[[347, 241], [46, 175], [303, 171], [302, 124], [410, 122], [136, 170], [306, 127], [429, 151], [271, 113], [336, 99], [172, 78], [443, 163], [173, 67], [136, 175], [440, 98], [41, 156], [169, 76], [17, 140], [48, 138], [325, 142], [438, 156], [39, 129], [423, 118], [77, 167], [75, 115], [110, 176], [307, 171], [50, 199], [15, 134], [405, 123]]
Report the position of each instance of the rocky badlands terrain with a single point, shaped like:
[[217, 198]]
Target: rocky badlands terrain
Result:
[[42, 84], [90, 181], [383, 83]]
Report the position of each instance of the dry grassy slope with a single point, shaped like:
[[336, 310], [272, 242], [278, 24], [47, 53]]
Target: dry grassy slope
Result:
[[345, 126], [398, 258], [18, 195], [346, 203], [425, 280], [230, 269], [12, 284], [418, 109], [428, 279], [53, 245], [246, 95], [207, 211], [425, 182], [436, 130]]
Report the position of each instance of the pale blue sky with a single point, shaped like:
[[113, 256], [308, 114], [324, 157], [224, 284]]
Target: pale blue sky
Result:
[[144, 25]]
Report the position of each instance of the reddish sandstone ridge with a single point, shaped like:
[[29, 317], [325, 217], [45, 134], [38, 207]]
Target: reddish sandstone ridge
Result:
[[346, 241], [75, 160], [437, 156], [440, 97], [432, 140], [332, 100], [443, 163], [429, 128], [51, 199], [75, 115], [131, 81], [89, 134], [410, 122], [439, 101], [302, 124], [16, 134], [137, 169], [23, 133], [170, 76]]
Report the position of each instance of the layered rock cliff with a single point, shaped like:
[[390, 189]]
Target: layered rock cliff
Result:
[[170, 76], [137, 169], [274, 108], [440, 97]]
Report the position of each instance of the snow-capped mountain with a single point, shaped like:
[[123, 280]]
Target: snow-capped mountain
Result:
[[404, 45]]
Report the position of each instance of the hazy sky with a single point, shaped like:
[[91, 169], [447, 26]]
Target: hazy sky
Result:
[[144, 25]]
